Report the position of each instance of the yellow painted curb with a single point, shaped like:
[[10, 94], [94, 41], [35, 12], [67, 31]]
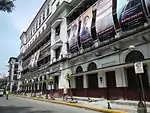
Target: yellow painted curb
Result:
[[75, 105]]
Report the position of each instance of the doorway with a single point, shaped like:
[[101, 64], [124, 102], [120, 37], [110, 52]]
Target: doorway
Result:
[[79, 82], [111, 84]]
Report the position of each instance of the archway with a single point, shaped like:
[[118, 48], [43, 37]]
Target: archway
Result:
[[132, 79], [79, 79], [93, 77]]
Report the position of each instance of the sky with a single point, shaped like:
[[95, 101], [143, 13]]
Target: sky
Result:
[[11, 27]]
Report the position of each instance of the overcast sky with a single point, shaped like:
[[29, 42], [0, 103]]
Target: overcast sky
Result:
[[11, 27]]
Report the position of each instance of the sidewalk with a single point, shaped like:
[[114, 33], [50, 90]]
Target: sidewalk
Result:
[[120, 105], [80, 104]]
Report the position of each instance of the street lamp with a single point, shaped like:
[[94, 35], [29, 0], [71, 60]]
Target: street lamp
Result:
[[141, 106]]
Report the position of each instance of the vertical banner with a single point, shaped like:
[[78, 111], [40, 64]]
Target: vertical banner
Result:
[[130, 14], [85, 31], [104, 20], [147, 2], [73, 38]]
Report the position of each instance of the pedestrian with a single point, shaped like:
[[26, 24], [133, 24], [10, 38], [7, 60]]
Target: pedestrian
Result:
[[65, 94], [7, 94]]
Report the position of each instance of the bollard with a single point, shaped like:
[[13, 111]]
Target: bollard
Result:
[[109, 107], [141, 108]]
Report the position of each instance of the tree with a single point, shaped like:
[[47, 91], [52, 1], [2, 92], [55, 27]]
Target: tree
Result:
[[7, 5], [68, 78]]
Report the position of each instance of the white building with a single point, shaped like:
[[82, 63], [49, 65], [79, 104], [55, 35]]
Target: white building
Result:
[[13, 74], [101, 62]]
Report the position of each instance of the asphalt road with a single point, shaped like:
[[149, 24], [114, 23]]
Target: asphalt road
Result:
[[20, 105]]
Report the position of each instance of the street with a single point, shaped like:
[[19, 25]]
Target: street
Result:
[[20, 105]]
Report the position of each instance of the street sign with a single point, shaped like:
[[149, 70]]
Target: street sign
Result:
[[138, 66]]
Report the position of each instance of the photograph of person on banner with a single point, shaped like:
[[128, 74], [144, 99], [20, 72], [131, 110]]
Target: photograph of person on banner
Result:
[[73, 39], [130, 14], [85, 32]]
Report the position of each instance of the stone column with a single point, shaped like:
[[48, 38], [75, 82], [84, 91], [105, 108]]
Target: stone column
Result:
[[148, 72], [101, 79], [85, 82]]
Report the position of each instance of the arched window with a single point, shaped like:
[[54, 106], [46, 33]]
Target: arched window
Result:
[[134, 56], [79, 69], [92, 66]]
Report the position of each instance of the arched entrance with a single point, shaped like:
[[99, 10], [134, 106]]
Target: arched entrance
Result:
[[92, 80], [132, 78], [78, 80]]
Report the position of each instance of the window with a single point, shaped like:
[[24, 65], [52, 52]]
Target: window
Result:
[[43, 15], [40, 21], [33, 29], [57, 30], [36, 25], [48, 10], [57, 52]]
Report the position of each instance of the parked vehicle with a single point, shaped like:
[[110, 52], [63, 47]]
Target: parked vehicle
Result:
[[1, 92]]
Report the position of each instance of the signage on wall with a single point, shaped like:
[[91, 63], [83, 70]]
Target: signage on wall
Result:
[[130, 14], [85, 31], [73, 38], [104, 20], [138, 66], [111, 17]]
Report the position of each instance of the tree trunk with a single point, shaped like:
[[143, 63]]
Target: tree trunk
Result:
[[70, 90]]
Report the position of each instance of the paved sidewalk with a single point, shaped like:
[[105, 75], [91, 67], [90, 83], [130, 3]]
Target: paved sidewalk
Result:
[[121, 105]]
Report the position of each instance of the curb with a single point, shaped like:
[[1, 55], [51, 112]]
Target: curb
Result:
[[74, 105]]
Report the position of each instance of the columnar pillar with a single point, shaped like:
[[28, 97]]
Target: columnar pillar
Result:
[[148, 72], [85, 83], [101, 80]]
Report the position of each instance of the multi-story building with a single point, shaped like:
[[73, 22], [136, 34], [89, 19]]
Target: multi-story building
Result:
[[13, 73], [97, 41], [3, 82]]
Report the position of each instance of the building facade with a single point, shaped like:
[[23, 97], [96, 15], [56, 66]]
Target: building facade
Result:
[[13, 74], [97, 41]]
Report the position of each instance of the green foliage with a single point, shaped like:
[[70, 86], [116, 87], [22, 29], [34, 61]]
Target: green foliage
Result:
[[7, 5], [50, 81]]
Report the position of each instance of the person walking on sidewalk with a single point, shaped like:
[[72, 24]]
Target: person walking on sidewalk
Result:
[[7, 94], [65, 94]]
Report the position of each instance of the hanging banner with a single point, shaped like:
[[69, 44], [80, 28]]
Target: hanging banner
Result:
[[85, 31], [104, 20], [73, 38], [147, 2], [130, 14]]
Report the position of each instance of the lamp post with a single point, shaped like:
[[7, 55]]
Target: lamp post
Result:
[[51, 83], [142, 108]]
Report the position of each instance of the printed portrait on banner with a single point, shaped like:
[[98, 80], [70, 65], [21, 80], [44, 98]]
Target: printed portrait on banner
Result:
[[73, 38], [85, 31]]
